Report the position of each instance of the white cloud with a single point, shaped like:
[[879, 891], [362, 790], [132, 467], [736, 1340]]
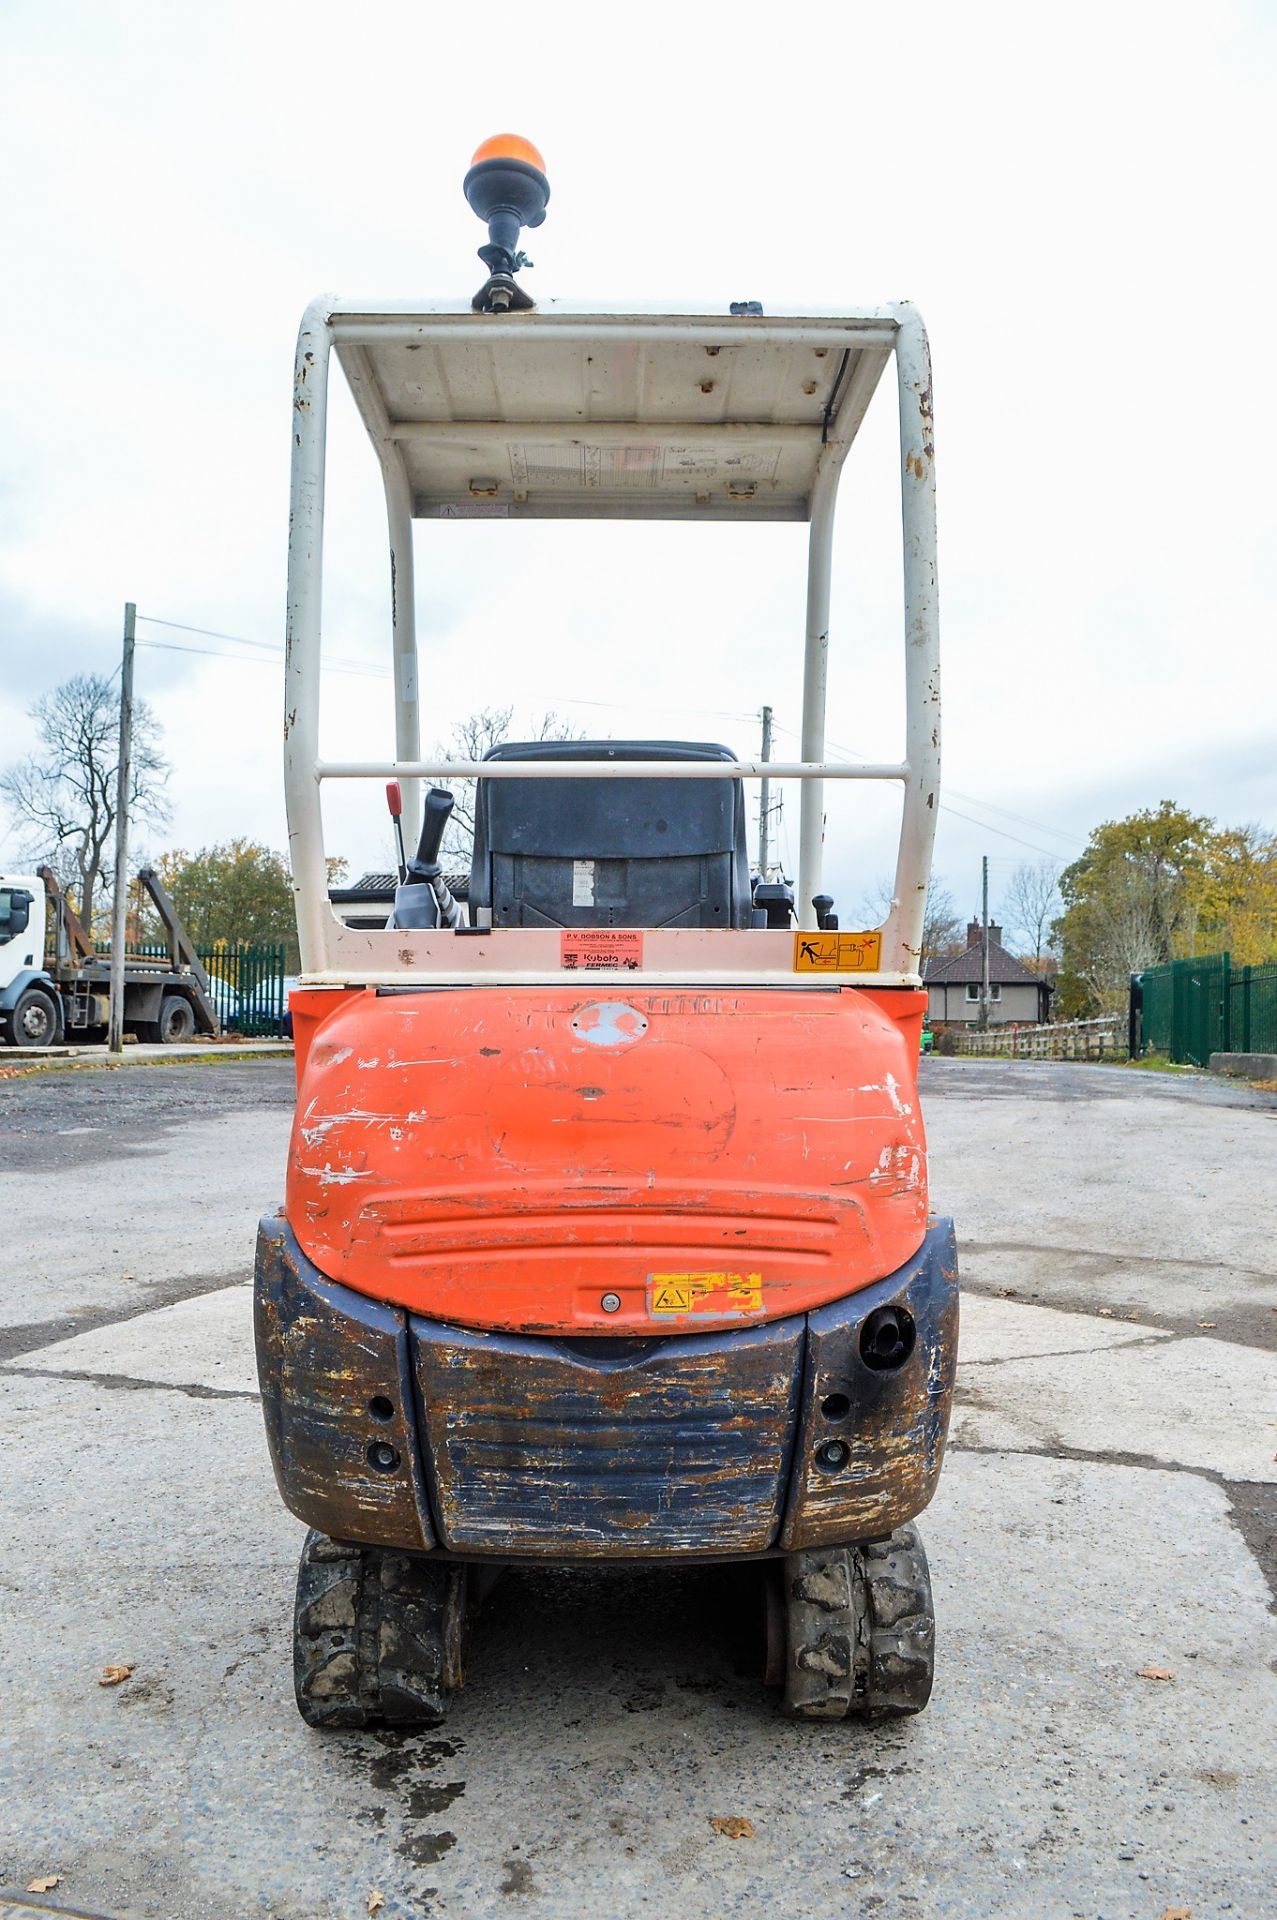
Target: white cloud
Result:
[[1079, 202]]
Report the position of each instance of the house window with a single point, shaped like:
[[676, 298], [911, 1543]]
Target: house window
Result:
[[973, 990]]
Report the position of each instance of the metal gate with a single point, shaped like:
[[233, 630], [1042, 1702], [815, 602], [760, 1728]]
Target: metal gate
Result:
[[1193, 1008], [248, 987]]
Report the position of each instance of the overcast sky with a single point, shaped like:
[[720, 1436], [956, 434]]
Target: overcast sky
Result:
[[1080, 200]]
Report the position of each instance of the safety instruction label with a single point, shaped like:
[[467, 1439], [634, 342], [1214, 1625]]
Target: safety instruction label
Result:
[[837, 952], [584, 949], [704, 1293]]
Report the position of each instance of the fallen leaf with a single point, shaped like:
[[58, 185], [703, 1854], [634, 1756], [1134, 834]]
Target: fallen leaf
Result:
[[45, 1883], [376, 1901], [1156, 1673], [732, 1827], [113, 1676], [1106, 1313], [1206, 1323], [1178, 1913]]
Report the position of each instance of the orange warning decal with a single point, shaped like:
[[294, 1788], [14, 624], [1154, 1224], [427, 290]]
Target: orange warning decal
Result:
[[584, 949], [838, 952], [704, 1293]]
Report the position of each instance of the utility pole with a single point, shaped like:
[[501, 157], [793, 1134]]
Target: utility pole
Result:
[[984, 945], [119, 904], [765, 801]]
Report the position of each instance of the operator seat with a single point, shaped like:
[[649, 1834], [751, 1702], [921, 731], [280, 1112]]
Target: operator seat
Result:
[[610, 853]]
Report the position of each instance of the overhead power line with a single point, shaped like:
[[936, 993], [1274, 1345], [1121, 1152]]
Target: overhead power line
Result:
[[274, 651], [346, 665], [852, 754]]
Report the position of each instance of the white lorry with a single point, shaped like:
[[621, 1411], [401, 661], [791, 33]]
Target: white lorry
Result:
[[54, 985]]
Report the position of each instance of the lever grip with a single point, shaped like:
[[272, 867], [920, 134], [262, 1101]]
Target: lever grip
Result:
[[434, 818]]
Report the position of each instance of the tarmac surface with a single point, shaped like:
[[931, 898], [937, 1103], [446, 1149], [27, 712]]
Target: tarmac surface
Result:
[[1106, 1515]]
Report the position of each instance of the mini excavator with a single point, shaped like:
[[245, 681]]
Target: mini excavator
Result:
[[606, 1232]]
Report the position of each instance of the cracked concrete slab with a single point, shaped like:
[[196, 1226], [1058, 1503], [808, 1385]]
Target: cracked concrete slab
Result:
[[1095, 1186], [206, 1341], [1202, 1404], [609, 1715], [117, 1189], [1010, 1330]]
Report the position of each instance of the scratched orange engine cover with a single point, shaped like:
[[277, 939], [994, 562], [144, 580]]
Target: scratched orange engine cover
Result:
[[510, 1157]]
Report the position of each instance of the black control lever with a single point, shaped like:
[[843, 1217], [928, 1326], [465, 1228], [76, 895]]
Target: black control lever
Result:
[[424, 899]]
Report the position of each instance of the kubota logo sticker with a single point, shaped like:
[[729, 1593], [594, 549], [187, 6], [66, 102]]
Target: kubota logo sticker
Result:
[[704, 1293], [591, 949]]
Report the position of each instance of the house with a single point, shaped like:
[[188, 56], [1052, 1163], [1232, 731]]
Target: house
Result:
[[1015, 991]]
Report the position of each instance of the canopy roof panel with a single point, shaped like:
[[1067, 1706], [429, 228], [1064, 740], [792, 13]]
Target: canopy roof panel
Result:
[[556, 413]]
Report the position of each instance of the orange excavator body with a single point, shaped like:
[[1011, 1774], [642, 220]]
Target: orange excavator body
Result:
[[609, 1162]]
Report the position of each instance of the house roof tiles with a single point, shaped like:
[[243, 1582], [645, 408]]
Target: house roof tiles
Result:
[[1004, 969]]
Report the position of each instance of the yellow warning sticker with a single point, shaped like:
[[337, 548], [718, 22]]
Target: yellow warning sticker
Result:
[[704, 1293], [838, 952]]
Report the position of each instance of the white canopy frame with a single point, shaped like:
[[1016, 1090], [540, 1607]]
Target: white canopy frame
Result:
[[558, 414]]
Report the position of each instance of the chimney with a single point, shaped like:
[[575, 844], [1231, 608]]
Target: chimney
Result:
[[973, 934]]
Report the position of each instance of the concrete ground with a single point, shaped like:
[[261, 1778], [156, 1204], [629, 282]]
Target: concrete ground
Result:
[[1107, 1507]]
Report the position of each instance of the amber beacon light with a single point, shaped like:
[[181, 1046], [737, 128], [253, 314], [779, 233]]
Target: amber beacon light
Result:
[[507, 187]]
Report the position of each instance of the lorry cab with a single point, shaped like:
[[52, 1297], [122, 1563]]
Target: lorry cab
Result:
[[28, 1005], [606, 1232], [21, 914]]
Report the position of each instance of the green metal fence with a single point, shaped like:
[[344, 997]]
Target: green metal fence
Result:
[[247, 984], [248, 987], [1193, 1008]]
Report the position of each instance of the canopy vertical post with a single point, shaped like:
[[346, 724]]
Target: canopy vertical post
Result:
[[403, 621], [302, 636], [902, 941], [811, 829]]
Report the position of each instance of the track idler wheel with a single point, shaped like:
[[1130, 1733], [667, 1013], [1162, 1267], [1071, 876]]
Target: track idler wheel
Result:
[[859, 1630], [378, 1637]]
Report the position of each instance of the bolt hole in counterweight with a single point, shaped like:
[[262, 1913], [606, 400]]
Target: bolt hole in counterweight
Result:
[[381, 1408]]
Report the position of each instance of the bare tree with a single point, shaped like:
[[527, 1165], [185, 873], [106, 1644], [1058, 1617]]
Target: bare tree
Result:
[[1127, 937], [941, 924], [471, 739], [1031, 902], [63, 795]]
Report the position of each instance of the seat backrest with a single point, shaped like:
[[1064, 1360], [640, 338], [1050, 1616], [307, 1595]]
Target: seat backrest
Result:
[[610, 853]]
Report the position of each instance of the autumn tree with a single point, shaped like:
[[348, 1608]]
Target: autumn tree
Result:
[[239, 893], [62, 796], [1134, 899], [1238, 911]]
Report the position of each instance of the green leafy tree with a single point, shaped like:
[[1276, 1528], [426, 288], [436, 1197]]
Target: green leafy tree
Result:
[[1135, 898], [235, 893], [1239, 906]]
